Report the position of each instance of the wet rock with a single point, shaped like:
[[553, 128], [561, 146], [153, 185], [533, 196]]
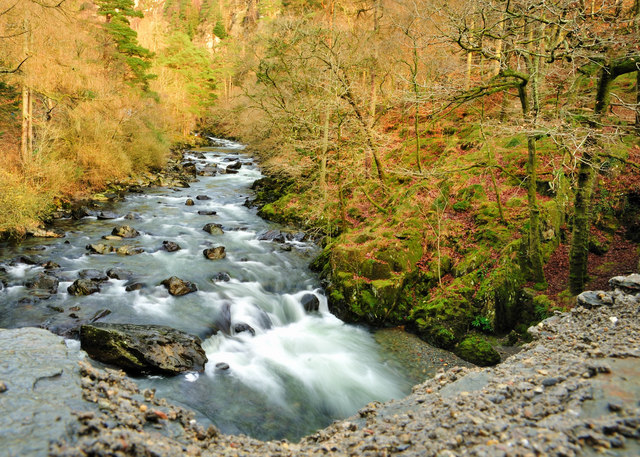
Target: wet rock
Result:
[[132, 216], [119, 273], [298, 236], [46, 233], [242, 327], [44, 282], [215, 253], [272, 235], [125, 231], [222, 366], [170, 246], [221, 276], [111, 237], [93, 275], [310, 302], [136, 189], [134, 286], [189, 202], [629, 284], [178, 287], [107, 215], [99, 248], [208, 170], [204, 212], [203, 197], [234, 165], [143, 348], [189, 168], [213, 229], [129, 250], [593, 299], [50, 265], [83, 287], [26, 260], [229, 171], [80, 212]]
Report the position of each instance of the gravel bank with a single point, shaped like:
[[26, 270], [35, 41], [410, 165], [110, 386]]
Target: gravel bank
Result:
[[573, 391]]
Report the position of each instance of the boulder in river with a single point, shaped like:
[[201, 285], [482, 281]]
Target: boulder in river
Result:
[[143, 348], [107, 215], [132, 216], [125, 231], [178, 287], [213, 229], [119, 273], [189, 202], [310, 302], [272, 235], [170, 246], [203, 197], [134, 286], [83, 287], [234, 165], [44, 282], [215, 253], [99, 248], [221, 276], [80, 212], [204, 212], [50, 265], [242, 327], [189, 168], [129, 250], [93, 275], [46, 233]]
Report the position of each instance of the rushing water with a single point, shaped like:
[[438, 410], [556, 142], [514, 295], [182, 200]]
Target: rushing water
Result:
[[297, 373]]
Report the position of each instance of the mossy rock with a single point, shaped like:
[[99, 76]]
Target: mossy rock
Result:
[[478, 351]]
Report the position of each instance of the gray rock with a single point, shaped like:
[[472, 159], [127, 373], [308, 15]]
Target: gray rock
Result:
[[44, 282], [215, 253], [93, 275], [213, 229], [178, 287], [272, 235], [593, 299], [221, 276], [630, 284], [107, 215], [83, 287], [242, 327], [43, 391], [310, 302], [205, 212], [170, 246], [203, 197], [119, 273], [143, 348], [125, 231], [234, 165]]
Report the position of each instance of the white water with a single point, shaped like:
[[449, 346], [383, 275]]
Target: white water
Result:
[[297, 373]]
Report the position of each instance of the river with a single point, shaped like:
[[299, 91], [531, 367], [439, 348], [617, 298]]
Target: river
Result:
[[294, 373]]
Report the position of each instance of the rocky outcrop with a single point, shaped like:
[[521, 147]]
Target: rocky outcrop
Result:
[[178, 287], [215, 253], [143, 348]]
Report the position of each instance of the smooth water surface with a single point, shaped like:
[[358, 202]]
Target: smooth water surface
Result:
[[300, 370]]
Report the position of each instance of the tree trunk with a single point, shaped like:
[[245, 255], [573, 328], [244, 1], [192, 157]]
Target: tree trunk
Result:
[[323, 158], [25, 151], [535, 244], [578, 256], [638, 102], [603, 96]]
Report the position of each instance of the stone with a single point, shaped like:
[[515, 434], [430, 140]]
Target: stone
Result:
[[129, 250], [272, 235], [107, 215], [221, 276], [44, 282], [134, 286], [148, 349], [222, 366], [205, 212], [119, 273], [234, 165], [132, 216], [213, 229], [215, 253], [46, 233], [189, 168], [242, 327], [478, 351], [203, 197], [93, 275], [189, 202], [99, 248], [178, 287], [170, 246], [630, 283], [50, 265], [125, 231], [593, 299], [83, 287], [310, 302], [80, 212], [25, 260]]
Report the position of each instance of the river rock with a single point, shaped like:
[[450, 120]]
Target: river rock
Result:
[[170, 246], [242, 327], [93, 275], [189, 168], [132, 216], [213, 229], [107, 215], [119, 273], [125, 231], [593, 299], [44, 282], [99, 248], [24, 259], [46, 233], [204, 212], [43, 392], [229, 171], [221, 276], [203, 197], [80, 212], [234, 165], [189, 202], [310, 302], [272, 235], [143, 348], [129, 250], [50, 265], [208, 170], [134, 286], [177, 286], [215, 253], [629, 284], [83, 287]]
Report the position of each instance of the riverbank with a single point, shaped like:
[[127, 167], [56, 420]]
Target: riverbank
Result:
[[572, 391]]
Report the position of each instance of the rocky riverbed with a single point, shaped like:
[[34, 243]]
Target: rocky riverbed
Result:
[[573, 391]]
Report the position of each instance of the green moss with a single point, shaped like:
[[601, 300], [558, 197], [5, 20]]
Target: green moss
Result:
[[477, 350], [462, 206]]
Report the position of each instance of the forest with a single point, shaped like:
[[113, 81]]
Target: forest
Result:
[[470, 166]]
